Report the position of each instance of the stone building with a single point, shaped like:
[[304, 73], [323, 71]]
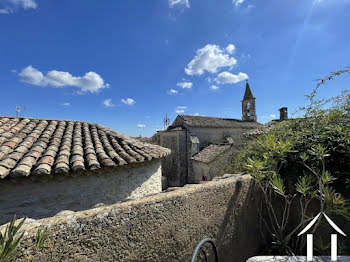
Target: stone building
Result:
[[189, 135], [248, 105], [48, 166], [210, 161]]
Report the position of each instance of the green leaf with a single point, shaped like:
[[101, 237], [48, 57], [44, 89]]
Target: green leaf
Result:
[[277, 184]]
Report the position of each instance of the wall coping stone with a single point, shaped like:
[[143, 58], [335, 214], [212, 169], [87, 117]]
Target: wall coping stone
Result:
[[69, 218]]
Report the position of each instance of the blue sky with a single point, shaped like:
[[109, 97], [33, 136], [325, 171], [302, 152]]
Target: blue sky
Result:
[[125, 64]]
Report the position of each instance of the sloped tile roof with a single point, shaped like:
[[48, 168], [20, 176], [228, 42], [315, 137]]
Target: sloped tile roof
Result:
[[209, 153], [42, 146], [263, 129], [205, 121]]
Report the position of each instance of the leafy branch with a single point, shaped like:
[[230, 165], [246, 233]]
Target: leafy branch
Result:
[[9, 241], [331, 76]]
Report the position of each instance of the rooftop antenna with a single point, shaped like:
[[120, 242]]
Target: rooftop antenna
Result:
[[166, 121], [141, 126], [19, 109]]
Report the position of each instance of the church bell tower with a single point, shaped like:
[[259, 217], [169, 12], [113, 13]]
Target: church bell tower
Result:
[[248, 105]]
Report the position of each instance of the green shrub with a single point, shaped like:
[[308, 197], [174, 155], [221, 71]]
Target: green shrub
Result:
[[10, 240], [301, 163]]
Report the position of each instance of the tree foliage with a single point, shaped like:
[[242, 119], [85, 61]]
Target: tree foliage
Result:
[[304, 164]]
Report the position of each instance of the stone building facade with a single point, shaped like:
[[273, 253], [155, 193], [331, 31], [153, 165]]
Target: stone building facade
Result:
[[248, 105], [188, 135], [50, 166], [210, 162]]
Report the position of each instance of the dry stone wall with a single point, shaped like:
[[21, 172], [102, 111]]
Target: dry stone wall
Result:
[[163, 227]]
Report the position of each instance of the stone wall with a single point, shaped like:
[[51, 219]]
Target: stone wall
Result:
[[163, 227], [212, 169], [175, 164], [45, 196], [208, 135]]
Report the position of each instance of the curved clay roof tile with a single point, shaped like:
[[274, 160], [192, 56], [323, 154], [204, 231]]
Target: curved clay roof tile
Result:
[[42, 147]]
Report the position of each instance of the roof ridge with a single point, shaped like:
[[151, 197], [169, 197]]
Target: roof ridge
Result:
[[47, 119], [224, 118]]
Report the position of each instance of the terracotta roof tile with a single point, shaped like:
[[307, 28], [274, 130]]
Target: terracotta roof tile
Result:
[[41, 147], [210, 153]]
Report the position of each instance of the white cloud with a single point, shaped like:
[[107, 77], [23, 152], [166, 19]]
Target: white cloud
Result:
[[173, 92], [198, 114], [230, 48], [209, 58], [11, 6], [180, 109], [108, 103], [65, 104], [229, 78], [214, 87], [185, 84], [272, 115], [128, 101], [25, 4], [173, 3], [90, 82], [141, 125], [245, 57], [238, 2], [5, 11]]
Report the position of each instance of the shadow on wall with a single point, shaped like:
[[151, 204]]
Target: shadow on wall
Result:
[[162, 227], [242, 242], [46, 196]]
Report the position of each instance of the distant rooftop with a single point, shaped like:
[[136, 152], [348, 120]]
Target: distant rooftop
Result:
[[209, 153], [31, 146], [205, 121]]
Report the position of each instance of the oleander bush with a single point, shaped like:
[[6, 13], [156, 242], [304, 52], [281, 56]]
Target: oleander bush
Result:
[[302, 167]]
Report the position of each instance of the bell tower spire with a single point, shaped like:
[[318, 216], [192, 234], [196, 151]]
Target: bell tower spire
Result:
[[248, 105]]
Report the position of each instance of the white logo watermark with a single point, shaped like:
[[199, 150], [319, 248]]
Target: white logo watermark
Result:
[[309, 238]]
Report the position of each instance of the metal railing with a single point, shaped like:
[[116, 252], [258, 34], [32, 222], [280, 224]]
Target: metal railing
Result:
[[200, 249]]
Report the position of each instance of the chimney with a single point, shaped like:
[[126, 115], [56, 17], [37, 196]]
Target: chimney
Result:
[[283, 113]]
